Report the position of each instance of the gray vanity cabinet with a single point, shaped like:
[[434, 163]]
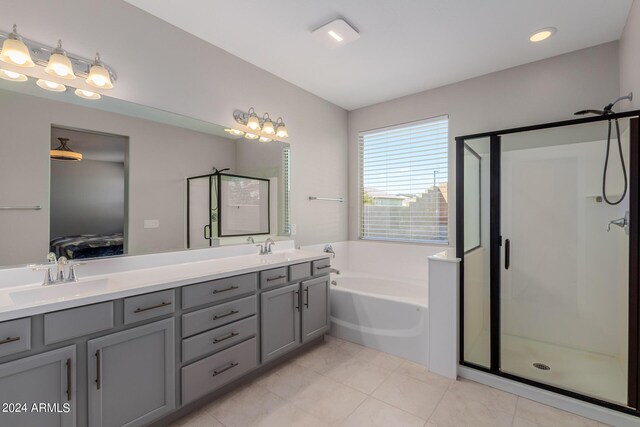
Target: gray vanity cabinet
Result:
[[315, 308], [280, 325], [131, 375], [47, 378]]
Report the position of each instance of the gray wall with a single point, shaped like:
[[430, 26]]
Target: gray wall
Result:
[[630, 58], [87, 197], [160, 158], [164, 67], [543, 91]]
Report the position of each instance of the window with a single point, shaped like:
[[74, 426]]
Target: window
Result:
[[286, 173], [403, 182]]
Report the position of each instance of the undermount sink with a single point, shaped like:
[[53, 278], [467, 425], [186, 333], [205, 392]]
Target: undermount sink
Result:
[[70, 290], [275, 257]]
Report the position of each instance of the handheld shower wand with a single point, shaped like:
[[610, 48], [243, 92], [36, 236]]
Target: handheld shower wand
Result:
[[608, 110]]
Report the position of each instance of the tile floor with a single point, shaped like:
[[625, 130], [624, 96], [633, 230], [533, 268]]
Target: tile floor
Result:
[[339, 383]]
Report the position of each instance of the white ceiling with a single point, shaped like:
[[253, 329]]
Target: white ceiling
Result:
[[406, 46]]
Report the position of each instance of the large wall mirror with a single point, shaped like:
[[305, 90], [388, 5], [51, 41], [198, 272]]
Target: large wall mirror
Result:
[[100, 178]]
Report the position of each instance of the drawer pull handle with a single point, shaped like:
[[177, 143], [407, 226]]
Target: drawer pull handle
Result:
[[269, 279], [69, 380], [231, 313], [230, 288], [10, 339], [226, 337], [322, 267], [98, 380], [162, 304], [231, 365]]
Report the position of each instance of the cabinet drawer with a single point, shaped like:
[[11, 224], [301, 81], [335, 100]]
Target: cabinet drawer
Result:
[[299, 271], [15, 336], [211, 373], [321, 266], [273, 277], [218, 315], [218, 290], [219, 338], [148, 306], [76, 322]]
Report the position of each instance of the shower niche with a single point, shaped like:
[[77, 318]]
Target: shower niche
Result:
[[549, 281]]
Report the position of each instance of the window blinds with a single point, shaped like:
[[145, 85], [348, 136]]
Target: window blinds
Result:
[[403, 182]]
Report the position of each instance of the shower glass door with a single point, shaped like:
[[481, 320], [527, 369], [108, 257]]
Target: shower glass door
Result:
[[563, 263]]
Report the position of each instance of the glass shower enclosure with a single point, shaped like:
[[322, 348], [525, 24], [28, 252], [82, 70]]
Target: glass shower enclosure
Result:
[[549, 279]]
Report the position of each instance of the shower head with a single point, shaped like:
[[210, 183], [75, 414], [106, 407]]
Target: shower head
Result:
[[583, 112], [606, 110]]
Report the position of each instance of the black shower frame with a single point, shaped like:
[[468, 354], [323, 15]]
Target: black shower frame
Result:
[[633, 397]]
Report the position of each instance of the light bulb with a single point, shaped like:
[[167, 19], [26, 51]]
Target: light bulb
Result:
[[98, 75], [51, 86], [253, 123], [15, 52], [267, 127], [281, 129], [235, 132], [59, 64], [12, 76], [87, 94], [251, 136]]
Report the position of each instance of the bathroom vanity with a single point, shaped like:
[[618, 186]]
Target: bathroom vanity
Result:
[[138, 349]]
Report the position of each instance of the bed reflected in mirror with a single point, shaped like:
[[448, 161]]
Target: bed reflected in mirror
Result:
[[87, 194]]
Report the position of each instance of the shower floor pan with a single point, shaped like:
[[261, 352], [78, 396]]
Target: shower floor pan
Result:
[[592, 374]]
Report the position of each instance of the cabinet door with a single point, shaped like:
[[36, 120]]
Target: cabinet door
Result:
[[280, 326], [47, 381], [131, 375], [315, 308]]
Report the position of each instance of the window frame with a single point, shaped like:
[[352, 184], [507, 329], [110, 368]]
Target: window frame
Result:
[[360, 206]]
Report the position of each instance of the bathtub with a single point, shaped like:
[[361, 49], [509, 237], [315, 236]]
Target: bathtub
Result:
[[379, 299]]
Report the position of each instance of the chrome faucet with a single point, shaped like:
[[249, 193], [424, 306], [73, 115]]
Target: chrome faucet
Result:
[[61, 263], [620, 222], [268, 243], [329, 249], [266, 248]]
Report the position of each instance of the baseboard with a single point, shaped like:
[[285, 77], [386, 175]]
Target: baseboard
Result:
[[578, 407]]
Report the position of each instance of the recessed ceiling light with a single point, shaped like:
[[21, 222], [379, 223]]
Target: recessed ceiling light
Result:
[[336, 33], [542, 34]]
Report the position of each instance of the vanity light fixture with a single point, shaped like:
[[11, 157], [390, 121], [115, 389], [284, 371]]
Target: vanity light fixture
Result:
[[281, 129], [59, 64], [263, 128], [51, 86], [63, 152], [253, 122], [15, 51], [234, 132], [86, 94], [267, 125], [542, 34], [12, 76], [98, 75]]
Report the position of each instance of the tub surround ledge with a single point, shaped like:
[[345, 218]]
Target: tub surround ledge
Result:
[[443, 313]]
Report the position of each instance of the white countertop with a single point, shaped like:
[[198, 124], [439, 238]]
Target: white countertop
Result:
[[31, 299]]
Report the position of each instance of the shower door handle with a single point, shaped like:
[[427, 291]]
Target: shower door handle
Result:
[[507, 254]]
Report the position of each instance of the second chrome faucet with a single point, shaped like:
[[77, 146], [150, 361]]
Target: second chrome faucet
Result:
[[61, 263], [266, 248]]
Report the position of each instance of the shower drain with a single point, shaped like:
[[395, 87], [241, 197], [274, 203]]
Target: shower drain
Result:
[[542, 366]]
